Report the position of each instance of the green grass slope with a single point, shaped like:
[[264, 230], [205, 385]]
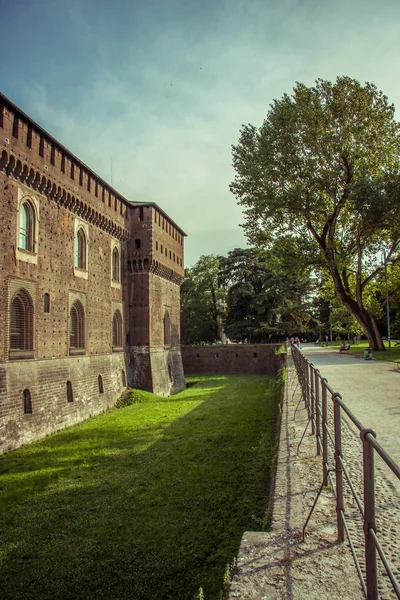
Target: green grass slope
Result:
[[145, 502]]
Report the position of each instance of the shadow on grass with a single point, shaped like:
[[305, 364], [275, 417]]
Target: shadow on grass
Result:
[[148, 502]]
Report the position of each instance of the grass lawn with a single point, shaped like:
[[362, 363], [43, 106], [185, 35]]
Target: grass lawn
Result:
[[393, 355], [145, 502]]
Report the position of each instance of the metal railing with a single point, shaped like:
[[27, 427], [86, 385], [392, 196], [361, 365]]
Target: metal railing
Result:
[[327, 421]]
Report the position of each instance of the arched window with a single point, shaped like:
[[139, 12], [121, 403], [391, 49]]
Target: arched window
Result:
[[117, 330], [101, 386], [115, 265], [27, 402], [21, 325], [77, 329], [27, 227], [80, 249], [70, 395]]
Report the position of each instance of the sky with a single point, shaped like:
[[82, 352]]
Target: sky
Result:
[[151, 94]]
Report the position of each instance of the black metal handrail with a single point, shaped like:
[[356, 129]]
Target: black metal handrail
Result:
[[315, 389]]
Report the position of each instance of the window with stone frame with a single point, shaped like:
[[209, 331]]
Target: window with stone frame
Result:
[[116, 269], [117, 330], [77, 329], [27, 223], [80, 249], [21, 326]]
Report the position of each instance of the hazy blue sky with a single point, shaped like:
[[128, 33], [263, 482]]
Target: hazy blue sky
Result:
[[161, 88]]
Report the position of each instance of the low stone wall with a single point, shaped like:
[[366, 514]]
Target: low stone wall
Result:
[[255, 359], [52, 408]]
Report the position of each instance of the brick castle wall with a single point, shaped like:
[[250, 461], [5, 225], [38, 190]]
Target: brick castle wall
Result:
[[254, 359], [67, 195], [47, 384]]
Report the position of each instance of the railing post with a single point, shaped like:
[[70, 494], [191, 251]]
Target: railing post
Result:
[[312, 396], [307, 382], [304, 378], [317, 413], [369, 515], [324, 428], [338, 466]]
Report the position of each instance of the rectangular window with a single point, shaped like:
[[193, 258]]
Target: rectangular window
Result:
[[29, 137], [41, 146], [116, 204], [109, 199], [53, 155], [80, 176], [88, 183], [72, 173], [103, 195], [96, 189], [63, 163], [15, 126], [1, 115], [141, 213], [46, 303], [137, 243]]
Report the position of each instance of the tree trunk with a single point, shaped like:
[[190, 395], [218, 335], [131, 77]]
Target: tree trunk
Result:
[[368, 325], [361, 315]]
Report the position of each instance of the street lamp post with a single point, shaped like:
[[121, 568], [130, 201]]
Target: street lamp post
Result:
[[387, 303], [330, 321]]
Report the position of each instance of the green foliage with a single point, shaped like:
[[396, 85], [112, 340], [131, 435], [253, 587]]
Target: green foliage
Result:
[[148, 501], [266, 292], [324, 168], [202, 302]]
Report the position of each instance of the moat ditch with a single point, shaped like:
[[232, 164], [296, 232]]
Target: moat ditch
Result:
[[148, 501]]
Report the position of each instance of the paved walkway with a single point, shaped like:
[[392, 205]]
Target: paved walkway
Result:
[[278, 564], [371, 390]]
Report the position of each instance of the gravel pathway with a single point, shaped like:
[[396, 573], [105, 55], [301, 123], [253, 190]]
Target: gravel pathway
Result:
[[278, 564], [371, 390]]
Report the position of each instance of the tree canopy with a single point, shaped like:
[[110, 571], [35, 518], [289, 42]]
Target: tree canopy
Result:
[[202, 301], [323, 168], [266, 293]]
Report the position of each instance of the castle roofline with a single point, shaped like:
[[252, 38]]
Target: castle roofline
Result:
[[20, 113], [160, 210]]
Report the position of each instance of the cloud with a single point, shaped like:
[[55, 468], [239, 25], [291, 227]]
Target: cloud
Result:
[[165, 92]]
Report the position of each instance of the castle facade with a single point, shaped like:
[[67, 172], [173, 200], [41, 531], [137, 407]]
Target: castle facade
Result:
[[90, 288]]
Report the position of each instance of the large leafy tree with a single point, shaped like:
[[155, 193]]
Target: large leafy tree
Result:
[[202, 301], [324, 168], [266, 292]]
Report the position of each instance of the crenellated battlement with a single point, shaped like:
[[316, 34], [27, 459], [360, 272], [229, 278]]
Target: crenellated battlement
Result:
[[32, 156], [29, 143]]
